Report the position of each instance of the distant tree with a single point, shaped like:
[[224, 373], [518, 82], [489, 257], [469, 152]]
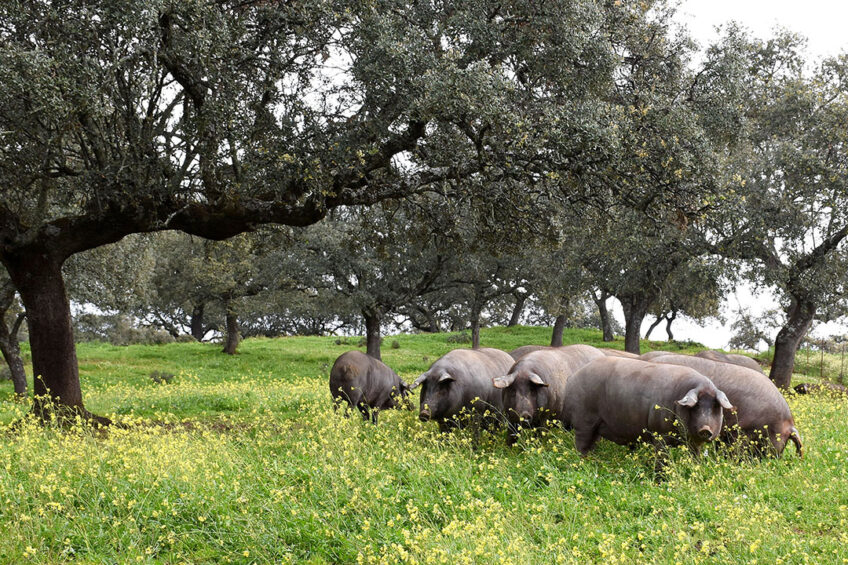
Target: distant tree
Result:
[[379, 258], [633, 258], [297, 312], [750, 330], [694, 290]]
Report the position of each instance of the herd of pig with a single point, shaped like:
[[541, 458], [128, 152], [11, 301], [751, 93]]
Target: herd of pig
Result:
[[599, 393]]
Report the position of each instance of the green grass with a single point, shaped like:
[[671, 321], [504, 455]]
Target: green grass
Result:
[[241, 459]]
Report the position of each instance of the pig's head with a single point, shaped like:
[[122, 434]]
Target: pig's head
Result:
[[441, 395], [525, 394], [700, 410]]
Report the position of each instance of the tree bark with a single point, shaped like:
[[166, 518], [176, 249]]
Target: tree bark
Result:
[[517, 310], [197, 329], [232, 338], [372, 334], [606, 325], [670, 318], [11, 351], [38, 277], [559, 327], [431, 323], [801, 314], [635, 309], [654, 325], [475, 327]]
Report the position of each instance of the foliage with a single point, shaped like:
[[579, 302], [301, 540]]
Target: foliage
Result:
[[784, 208], [751, 331], [116, 329], [242, 459]]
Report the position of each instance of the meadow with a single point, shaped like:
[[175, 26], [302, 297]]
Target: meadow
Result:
[[242, 460]]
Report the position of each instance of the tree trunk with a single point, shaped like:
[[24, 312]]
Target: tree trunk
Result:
[[606, 325], [11, 351], [559, 326], [56, 385], [517, 310], [475, 327], [635, 309], [655, 324], [432, 322], [801, 314], [372, 334], [197, 331], [232, 338], [670, 319]]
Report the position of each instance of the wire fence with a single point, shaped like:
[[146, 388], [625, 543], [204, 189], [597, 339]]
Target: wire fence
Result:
[[822, 358]]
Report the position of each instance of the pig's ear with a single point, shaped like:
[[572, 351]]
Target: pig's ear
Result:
[[418, 381], [445, 378], [537, 380], [725, 402], [504, 381], [691, 398]]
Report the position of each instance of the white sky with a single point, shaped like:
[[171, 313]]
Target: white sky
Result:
[[825, 24]]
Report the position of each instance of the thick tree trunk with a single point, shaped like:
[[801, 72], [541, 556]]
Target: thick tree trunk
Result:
[[635, 309], [232, 338], [559, 327], [475, 328], [517, 310], [12, 354], [56, 385], [606, 325], [372, 334], [801, 314], [197, 330]]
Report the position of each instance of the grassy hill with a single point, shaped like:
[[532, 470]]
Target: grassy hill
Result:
[[241, 459]]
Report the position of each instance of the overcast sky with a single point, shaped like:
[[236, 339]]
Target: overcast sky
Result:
[[823, 22]]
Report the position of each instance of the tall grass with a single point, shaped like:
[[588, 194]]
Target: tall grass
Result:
[[242, 460]]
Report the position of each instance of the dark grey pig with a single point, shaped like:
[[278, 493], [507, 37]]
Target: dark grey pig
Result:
[[458, 386], [534, 389], [733, 358], [520, 352], [628, 400], [762, 413], [366, 383]]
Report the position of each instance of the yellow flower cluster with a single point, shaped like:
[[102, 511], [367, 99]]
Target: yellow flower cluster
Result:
[[260, 469]]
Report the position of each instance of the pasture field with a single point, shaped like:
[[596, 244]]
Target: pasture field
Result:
[[242, 460]]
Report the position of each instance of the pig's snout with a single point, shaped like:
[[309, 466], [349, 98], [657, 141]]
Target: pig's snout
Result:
[[424, 415], [705, 432]]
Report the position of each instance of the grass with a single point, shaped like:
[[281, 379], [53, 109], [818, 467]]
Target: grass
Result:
[[241, 459]]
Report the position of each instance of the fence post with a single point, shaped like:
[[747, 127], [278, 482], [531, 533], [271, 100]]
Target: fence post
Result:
[[807, 361]]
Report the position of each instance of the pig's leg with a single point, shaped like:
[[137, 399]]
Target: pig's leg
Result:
[[585, 436]]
